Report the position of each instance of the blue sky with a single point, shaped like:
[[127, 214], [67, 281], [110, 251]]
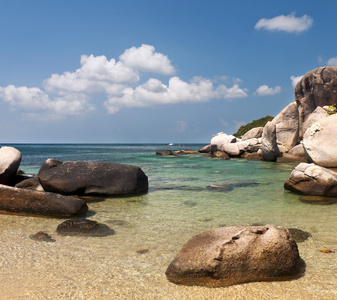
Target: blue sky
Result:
[[153, 71]]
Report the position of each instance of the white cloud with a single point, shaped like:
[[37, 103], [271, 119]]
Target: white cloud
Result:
[[119, 83], [289, 23], [264, 90], [332, 61], [154, 92], [146, 59], [295, 79]]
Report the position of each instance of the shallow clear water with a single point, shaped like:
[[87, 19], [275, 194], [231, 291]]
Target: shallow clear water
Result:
[[179, 204]]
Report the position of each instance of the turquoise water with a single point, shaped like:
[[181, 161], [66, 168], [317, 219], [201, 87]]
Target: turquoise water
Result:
[[179, 204]]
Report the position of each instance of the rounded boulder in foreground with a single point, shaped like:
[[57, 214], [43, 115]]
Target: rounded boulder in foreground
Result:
[[237, 254]]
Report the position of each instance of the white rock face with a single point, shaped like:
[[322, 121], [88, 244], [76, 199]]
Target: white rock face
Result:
[[253, 133], [221, 139], [320, 142], [10, 159]]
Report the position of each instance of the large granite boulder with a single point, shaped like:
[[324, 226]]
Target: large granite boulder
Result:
[[310, 179], [24, 201], [320, 142], [237, 254], [253, 133], [10, 159], [317, 88], [93, 178], [270, 150], [318, 114], [221, 139]]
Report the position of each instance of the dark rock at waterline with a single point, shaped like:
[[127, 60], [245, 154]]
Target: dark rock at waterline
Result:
[[24, 201], [190, 203], [164, 152], [49, 164], [206, 149], [230, 185], [10, 159], [237, 254], [32, 183], [84, 227], [220, 154], [318, 200], [94, 178], [299, 235], [42, 237]]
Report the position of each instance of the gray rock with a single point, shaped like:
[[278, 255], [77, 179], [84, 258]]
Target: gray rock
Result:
[[94, 178], [253, 133], [318, 114], [297, 150], [310, 179], [237, 254], [320, 142], [48, 164], [206, 149], [24, 201], [270, 150], [317, 88], [164, 152], [10, 159]]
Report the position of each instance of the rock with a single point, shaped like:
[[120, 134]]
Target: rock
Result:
[[310, 179], [299, 235], [232, 149], [206, 149], [252, 156], [220, 139], [164, 152], [297, 150], [289, 158], [94, 178], [30, 183], [10, 159], [317, 88], [48, 164], [270, 150], [84, 227], [318, 200], [231, 184], [221, 154], [42, 237], [237, 254], [23, 201], [253, 133], [286, 123], [320, 141], [186, 151], [318, 114]]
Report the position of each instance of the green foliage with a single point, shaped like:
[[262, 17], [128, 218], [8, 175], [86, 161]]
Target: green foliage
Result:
[[331, 110], [256, 123]]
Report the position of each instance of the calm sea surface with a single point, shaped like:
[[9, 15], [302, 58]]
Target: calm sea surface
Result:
[[151, 229]]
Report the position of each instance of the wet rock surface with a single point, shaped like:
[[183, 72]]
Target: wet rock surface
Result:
[[42, 237]]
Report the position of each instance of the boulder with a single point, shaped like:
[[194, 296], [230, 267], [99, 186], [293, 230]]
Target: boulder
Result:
[[186, 151], [289, 158], [23, 201], [206, 149], [237, 254], [221, 154], [84, 227], [317, 88], [10, 159], [310, 179], [253, 133], [232, 149], [48, 164], [297, 150], [32, 183], [318, 114], [220, 139], [94, 178], [270, 150], [320, 142], [164, 152]]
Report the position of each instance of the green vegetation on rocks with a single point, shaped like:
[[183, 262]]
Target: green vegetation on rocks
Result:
[[256, 123]]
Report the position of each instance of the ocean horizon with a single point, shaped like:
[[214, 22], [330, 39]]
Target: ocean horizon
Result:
[[151, 228]]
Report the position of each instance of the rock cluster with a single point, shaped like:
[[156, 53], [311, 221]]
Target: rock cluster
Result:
[[49, 192]]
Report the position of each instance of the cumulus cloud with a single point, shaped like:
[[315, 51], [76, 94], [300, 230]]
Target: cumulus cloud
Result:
[[289, 23], [154, 92], [119, 82], [295, 79], [265, 90], [332, 61]]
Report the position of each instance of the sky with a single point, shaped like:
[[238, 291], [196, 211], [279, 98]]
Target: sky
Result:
[[153, 71]]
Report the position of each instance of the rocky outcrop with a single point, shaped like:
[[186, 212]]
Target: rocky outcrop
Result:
[[237, 254], [320, 142], [253, 133], [270, 150], [10, 159], [221, 139], [24, 201], [317, 88], [310, 179], [206, 149], [93, 178], [164, 152]]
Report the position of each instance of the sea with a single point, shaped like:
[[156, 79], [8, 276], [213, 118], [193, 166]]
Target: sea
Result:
[[187, 195]]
